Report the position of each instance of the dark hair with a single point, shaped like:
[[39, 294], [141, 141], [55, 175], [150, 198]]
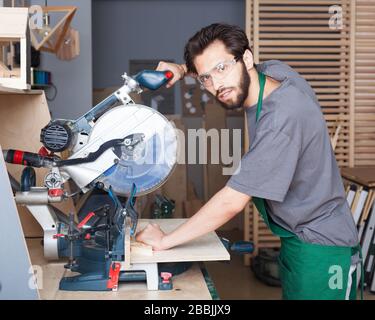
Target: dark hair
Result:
[[233, 37]]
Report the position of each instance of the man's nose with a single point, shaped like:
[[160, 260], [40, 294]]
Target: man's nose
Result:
[[216, 84]]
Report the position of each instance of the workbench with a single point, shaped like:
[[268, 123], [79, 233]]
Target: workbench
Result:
[[193, 284]]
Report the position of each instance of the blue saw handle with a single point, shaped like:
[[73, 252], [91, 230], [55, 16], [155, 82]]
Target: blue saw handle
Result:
[[152, 79], [240, 247]]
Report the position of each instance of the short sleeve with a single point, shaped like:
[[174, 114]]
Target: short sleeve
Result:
[[267, 169]]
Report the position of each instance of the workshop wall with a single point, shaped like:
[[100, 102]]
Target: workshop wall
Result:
[[73, 79], [125, 30]]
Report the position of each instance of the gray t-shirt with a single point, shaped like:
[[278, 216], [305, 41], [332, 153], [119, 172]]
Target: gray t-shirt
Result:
[[291, 163]]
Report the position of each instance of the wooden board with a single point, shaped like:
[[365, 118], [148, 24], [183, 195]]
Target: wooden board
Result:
[[361, 175], [140, 248], [206, 248], [189, 285]]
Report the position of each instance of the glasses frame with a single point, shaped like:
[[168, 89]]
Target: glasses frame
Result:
[[230, 62]]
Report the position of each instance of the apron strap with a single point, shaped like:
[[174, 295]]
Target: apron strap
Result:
[[259, 202], [358, 249], [262, 82]]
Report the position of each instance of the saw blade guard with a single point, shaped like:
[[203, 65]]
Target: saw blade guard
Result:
[[149, 152]]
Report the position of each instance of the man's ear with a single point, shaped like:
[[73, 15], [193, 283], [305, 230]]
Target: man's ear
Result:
[[248, 59]]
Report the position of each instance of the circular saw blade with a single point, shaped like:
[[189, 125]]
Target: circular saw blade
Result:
[[151, 161]]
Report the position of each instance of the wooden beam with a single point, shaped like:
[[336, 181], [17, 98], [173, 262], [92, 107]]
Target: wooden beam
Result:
[[352, 83]]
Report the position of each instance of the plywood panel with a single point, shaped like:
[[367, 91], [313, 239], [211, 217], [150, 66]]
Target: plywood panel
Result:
[[205, 248]]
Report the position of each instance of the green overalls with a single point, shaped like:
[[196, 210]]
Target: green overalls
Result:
[[310, 271]]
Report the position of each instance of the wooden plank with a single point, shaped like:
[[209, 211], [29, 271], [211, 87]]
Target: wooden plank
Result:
[[303, 3], [140, 249], [12, 91], [352, 83], [205, 248], [361, 175], [256, 31]]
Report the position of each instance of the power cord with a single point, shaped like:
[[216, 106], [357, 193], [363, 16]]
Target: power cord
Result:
[[54, 95]]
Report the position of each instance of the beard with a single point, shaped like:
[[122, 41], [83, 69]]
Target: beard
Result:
[[243, 89]]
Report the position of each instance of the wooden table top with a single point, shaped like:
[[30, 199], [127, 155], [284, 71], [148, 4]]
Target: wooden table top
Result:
[[362, 175]]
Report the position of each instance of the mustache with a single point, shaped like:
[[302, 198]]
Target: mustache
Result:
[[222, 90]]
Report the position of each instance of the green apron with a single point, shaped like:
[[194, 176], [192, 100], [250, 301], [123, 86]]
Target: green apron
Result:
[[310, 271]]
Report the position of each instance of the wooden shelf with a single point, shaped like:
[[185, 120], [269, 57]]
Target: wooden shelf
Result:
[[6, 90]]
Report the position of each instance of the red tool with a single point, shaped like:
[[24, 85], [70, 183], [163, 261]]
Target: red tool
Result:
[[114, 272]]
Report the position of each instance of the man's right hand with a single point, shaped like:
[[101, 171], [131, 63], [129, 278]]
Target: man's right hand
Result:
[[178, 70]]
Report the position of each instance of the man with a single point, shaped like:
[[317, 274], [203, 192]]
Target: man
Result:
[[290, 170]]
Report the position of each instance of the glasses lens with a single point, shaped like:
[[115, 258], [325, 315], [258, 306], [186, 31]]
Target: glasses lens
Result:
[[205, 80], [223, 69], [219, 72]]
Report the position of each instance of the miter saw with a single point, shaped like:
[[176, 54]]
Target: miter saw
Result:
[[123, 148]]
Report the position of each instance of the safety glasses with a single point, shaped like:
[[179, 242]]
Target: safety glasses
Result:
[[220, 71]]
